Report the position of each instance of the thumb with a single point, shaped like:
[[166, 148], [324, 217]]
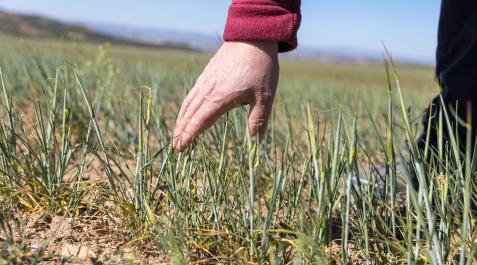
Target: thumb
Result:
[[258, 117]]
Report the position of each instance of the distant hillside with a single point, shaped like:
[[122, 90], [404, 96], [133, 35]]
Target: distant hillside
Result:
[[40, 27], [210, 43], [200, 41]]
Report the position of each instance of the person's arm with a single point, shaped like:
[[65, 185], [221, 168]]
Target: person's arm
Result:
[[244, 71]]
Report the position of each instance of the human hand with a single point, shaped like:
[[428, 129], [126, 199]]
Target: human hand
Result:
[[240, 73]]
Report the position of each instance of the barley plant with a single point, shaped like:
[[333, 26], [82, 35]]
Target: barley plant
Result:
[[85, 136]]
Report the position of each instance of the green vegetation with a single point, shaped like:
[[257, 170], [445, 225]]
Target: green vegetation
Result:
[[85, 146]]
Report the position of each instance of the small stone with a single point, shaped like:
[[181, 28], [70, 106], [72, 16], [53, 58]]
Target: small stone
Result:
[[80, 252], [35, 249], [92, 255]]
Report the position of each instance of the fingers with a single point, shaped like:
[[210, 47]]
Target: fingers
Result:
[[258, 117], [200, 111], [191, 104], [208, 112], [186, 103], [182, 122]]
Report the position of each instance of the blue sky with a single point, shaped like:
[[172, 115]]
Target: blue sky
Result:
[[407, 27]]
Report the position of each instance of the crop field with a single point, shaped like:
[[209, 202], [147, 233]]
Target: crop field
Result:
[[88, 176]]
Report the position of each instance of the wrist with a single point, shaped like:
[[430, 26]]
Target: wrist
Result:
[[269, 47]]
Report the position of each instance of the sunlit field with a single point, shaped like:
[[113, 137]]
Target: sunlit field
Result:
[[86, 165]]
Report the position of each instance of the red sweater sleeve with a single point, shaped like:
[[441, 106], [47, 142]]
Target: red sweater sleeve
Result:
[[274, 20]]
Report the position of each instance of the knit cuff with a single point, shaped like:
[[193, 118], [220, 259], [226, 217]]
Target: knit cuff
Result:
[[264, 20]]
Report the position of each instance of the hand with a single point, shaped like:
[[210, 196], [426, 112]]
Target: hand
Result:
[[240, 73]]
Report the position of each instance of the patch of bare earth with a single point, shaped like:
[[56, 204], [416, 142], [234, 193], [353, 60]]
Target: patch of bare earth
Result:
[[91, 238], [95, 235]]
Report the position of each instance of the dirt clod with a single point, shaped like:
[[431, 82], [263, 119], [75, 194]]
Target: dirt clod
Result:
[[77, 251]]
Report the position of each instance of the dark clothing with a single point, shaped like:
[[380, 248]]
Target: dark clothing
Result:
[[456, 63], [456, 54]]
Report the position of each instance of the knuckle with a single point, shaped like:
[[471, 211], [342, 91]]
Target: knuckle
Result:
[[212, 101], [259, 122], [194, 123], [210, 84], [264, 95], [201, 78]]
